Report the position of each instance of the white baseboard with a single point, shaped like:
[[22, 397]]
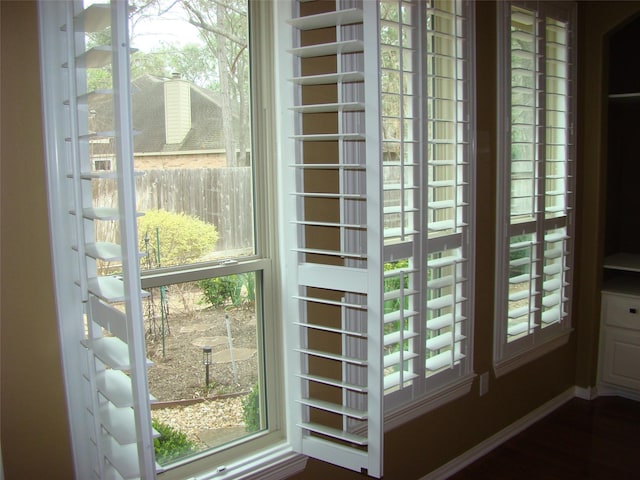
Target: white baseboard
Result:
[[484, 447], [617, 391], [586, 393]]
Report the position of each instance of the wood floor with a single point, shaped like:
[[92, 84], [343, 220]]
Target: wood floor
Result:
[[597, 439]]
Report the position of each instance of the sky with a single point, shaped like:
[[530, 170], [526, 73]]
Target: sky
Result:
[[171, 28]]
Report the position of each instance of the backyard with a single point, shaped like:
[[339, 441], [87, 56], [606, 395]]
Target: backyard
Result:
[[208, 414]]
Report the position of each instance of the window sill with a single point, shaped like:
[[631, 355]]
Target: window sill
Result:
[[419, 407], [275, 463], [506, 365]]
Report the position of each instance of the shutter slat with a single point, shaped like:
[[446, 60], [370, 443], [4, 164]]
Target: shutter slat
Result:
[[334, 408], [443, 321], [109, 318], [335, 433], [443, 340], [442, 360], [393, 379], [335, 383], [396, 357], [332, 356]]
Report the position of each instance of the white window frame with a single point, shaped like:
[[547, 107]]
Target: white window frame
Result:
[[454, 238], [265, 455], [275, 455], [535, 341]]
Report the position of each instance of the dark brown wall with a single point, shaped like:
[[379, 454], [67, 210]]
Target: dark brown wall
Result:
[[35, 441]]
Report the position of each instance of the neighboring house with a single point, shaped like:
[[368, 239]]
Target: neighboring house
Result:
[[177, 125]]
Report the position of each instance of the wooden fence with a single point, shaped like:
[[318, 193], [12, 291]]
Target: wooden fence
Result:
[[219, 196]]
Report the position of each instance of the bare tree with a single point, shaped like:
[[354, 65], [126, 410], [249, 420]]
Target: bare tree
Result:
[[223, 26]]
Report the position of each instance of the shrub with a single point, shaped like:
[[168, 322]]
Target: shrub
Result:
[[180, 238], [218, 291], [251, 410], [171, 444], [222, 290]]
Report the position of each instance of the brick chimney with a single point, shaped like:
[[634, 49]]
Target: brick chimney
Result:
[[177, 109]]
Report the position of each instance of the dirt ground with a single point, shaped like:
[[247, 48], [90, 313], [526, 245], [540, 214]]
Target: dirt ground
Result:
[[178, 372]]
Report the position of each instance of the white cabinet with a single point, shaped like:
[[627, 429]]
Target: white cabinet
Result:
[[619, 368]]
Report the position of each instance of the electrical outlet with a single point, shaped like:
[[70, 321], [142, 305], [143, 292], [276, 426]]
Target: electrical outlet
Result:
[[484, 383]]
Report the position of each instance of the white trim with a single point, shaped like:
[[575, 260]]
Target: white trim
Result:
[[586, 393], [509, 355], [486, 446], [605, 390], [273, 464], [509, 364], [421, 406]]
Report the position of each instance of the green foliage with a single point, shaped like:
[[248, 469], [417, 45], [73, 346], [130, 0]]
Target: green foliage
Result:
[[251, 410], [393, 283], [235, 290], [182, 238], [171, 444], [219, 291]]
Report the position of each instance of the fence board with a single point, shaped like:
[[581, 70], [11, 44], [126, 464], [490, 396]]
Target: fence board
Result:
[[219, 196]]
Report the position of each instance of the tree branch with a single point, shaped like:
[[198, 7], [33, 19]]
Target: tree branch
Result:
[[196, 19]]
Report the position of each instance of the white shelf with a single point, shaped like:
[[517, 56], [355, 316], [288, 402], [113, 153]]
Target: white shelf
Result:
[[627, 262], [625, 97]]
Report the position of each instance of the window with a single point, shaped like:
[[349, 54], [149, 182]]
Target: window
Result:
[[161, 221], [535, 217], [426, 64], [381, 218], [163, 189]]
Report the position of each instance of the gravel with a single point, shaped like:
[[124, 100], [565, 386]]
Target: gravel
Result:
[[203, 416]]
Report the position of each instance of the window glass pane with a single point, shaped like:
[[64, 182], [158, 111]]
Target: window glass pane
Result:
[[193, 148], [192, 140], [554, 301], [400, 327], [203, 338], [444, 318]]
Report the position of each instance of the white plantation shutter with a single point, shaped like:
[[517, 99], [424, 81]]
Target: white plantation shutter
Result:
[[100, 314], [537, 163], [384, 308], [449, 190], [427, 160], [334, 312]]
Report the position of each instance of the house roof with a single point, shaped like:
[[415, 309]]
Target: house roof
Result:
[[149, 119]]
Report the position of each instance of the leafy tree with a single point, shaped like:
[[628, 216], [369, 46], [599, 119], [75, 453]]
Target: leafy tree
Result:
[[220, 64], [182, 238]]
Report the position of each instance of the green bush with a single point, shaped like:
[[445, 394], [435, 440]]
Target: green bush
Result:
[[221, 291], [251, 410], [175, 238], [171, 444]]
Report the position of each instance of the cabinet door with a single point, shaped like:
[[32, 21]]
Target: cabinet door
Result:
[[622, 358]]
